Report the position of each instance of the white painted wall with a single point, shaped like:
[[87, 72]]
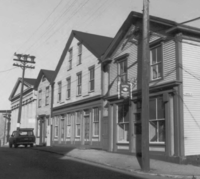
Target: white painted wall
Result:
[[191, 96]]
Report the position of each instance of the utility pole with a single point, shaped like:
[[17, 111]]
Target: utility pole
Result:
[[23, 59], [145, 87]]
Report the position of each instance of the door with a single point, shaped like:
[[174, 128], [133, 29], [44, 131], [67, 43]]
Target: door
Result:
[[105, 144]]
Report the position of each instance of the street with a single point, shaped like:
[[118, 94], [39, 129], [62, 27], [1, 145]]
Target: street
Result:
[[29, 163]]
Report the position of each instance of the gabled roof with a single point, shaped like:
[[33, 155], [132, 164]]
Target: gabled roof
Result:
[[96, 44], [164, 25], [28, 82], [49, 74]]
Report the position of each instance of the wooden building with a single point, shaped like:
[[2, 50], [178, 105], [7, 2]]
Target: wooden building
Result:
[[77, 103], [28, 115], [174, 121], [44, 86]]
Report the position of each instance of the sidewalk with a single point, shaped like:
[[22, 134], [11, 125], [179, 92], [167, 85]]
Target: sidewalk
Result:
[[126, 162]]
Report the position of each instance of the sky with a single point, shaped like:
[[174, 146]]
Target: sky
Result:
[[42, 27]]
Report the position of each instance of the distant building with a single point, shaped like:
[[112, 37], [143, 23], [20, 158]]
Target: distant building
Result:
[[44, 86], [4, 126], [28, 115]]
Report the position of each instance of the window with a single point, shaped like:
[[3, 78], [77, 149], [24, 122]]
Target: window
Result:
[[56, 127], [156, 63], [78, 124], [68, 88], [47, 96], [96, 122], [59, 91], [79, 53], [122, 71], [91, 82], [79, 83], [123, 123], [43, 78], [40, 99], [156, 120], [69, 123], [70, 58]]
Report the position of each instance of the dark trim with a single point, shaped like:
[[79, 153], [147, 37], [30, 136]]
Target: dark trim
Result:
[[114, 127], [122, 57], [95, 98], [155, 89]]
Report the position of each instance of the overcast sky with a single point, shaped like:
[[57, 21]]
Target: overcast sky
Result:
[[42, 27]]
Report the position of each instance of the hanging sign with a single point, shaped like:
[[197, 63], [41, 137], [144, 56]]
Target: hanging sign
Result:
[[125, 90]]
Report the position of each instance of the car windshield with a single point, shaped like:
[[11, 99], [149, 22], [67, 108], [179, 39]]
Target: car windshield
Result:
[[25, 133]]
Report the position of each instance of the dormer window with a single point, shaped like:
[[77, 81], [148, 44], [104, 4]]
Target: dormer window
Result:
[[43, 78]]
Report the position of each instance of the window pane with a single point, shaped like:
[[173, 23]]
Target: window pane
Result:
[[154, 72], [159, 70], [161, 131], [153, 131], [96, 128], [120, 132], [160, 106], [152, 109], [126, 110], [120, 113], [159, 54], [153, 57], [126, 132]]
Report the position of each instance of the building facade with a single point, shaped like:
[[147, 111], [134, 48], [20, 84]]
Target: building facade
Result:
[[4, 126], [77, 106], [173, 100], [44, 86], [28, 115]]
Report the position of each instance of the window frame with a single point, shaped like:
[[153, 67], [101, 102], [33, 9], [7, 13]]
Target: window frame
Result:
[[70, 58], [47, 96], [96, 122], [91, 79], [56, 128], [80, 50], [157, 122], [59, 91], [40, 99], [153, 47], [78, 123], [68, 90], [69, 125], [126, 137], [79, 84]]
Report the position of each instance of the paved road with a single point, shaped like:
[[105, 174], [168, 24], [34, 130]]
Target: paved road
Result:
[[27, 163]]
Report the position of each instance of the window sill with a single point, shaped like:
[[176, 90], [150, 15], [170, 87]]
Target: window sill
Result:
[[122, 143], [91, 91], [157, 143], [78, 95], [69, 69], [78, 64], [68, 99], [95, 136], [155, 80]]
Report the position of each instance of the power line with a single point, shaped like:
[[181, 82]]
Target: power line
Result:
[[7, 70], [41, 24]]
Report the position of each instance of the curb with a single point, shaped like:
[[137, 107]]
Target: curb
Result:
[[122, 169]]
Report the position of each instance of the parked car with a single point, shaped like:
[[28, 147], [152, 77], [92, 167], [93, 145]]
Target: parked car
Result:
[[22, 136]]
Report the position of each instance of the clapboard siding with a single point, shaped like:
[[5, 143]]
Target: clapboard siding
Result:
[[191, 97], [88, 60], [169, 63]]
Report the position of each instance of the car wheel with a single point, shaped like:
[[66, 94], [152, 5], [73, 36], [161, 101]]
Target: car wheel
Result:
[[31, 145], [15, 145], [10, 145]]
